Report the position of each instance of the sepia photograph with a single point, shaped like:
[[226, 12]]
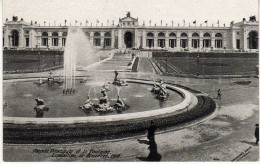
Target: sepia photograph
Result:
[[130, 80]]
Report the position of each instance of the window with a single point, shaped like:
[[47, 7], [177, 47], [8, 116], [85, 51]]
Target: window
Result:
[[238, 43], [161, 43], [63, 41], [238, 33], [218, 43], [195, 43], [45, 42], [172, 43], [184, 43], [54, 41], [97, 41], [206, 43], [107, 42], [149, 43], [27, 42]]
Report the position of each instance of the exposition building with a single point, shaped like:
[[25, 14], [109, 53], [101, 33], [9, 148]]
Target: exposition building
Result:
[[128, 33]]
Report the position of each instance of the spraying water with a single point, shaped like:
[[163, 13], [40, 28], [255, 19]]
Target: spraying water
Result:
[[78, 53]]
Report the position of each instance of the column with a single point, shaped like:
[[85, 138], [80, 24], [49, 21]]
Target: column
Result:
[[91, 35], [49, 39], [189, 40], [178, 44], [233, 36], [6, 38], [59, 39], [21, 38], [144, 39], [102, 38], [245, 40], [113, 38], [201, 40], [155, 39], [136, 38], [167, 40], [119, 38], [224, 40], [39, 40], [213, 40]]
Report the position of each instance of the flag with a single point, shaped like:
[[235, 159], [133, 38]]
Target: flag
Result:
[[218, 22], [76, 21], [86, 21], [150, 21], [80, 23], [194, 22], [97, 21]]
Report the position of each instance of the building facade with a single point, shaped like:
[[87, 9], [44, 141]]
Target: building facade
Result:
[[129, 34]]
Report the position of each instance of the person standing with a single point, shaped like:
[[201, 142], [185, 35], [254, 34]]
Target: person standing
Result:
[[257, 133], [151, 132], [219, 94]]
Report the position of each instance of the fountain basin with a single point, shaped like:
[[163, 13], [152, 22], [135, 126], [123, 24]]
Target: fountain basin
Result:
[[53, 130]]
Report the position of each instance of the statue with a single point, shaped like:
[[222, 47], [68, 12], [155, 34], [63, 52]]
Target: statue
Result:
[[120, 105], [15, 18], [40, 107], [252, 18], [128, 14], [87, 106]]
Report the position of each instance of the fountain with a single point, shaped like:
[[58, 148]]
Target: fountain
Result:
[[79, 53]]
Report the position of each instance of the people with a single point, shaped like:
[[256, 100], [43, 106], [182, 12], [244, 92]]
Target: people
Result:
[[151, 132], [116, 74], [219, 94], [257, 133]]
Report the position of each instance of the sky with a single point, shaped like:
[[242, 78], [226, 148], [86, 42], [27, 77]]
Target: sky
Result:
[[155, 10]]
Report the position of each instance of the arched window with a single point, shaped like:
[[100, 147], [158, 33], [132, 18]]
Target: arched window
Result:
[[206, 34], [107, 34], [218, 41], [55, 34], [195, 42], [64, 34], [172, 34], [195, 34], [97, 40], [149, 34], [15, 38], [172, 40], [161, 34], [44, 34], [206, 40], [107, 39], [97, 34], [45, 39], [218, 35], [253, 40], [184, 34], [55, 39]]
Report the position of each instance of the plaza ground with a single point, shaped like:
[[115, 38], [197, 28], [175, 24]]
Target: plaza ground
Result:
[[226, 136]]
